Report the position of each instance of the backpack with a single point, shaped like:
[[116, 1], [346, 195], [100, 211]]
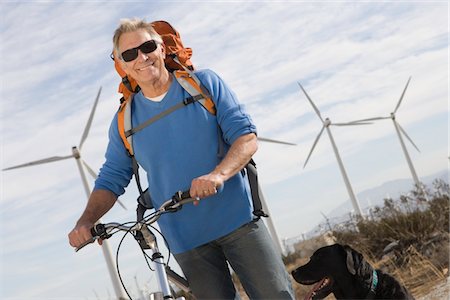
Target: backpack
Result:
[[177, 62]]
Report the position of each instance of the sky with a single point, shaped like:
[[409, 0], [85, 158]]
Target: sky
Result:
[[353, 59]]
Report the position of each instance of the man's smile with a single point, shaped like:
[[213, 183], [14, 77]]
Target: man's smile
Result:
[[146, 66]]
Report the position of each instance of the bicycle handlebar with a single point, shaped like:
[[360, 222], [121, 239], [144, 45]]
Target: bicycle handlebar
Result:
[[103, 231]]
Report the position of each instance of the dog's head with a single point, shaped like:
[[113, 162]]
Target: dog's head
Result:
[[335, 269]]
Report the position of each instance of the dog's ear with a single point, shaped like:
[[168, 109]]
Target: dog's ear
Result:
[[350, 260], [357, 265]]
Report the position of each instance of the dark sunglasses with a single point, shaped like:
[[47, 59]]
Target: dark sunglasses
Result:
[[147, 47]]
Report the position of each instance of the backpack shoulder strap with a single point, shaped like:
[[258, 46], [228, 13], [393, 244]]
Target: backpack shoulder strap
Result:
[[124, 123], [190, 82], [255, 189]]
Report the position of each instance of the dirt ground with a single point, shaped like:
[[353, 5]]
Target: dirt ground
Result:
[[439, 291]]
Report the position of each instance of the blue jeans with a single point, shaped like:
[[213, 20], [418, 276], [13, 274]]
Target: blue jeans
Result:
[[251, 253]]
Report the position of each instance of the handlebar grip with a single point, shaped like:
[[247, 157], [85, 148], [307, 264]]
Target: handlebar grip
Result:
[[185, 195], [94, 232], [178, 199]]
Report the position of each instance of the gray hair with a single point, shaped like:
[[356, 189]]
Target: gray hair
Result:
[[130, 25]]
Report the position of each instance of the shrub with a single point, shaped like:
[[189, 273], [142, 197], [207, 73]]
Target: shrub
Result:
[[409, 221]]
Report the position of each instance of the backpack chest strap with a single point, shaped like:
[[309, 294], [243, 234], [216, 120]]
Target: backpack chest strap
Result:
[[188, 83], [130, 131]]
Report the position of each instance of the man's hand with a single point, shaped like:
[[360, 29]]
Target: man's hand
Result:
[[205, 186], [80, 234]]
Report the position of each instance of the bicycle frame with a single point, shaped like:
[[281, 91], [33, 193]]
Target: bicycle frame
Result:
[[147, 241]]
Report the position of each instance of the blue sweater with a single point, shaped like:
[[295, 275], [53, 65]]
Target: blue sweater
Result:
[[178, 148]]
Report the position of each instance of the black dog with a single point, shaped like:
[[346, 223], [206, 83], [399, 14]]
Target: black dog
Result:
[[344, 272]]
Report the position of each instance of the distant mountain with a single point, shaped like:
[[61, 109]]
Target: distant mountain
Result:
[[391, 189], [375, 197]]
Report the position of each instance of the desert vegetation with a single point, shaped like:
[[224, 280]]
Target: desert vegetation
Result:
[[407, 237]]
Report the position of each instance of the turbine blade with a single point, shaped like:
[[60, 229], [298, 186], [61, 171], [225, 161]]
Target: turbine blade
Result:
[[407, 136], [314, 145], [403, 94], [89, 122], [352, 123], [370, 119], [40, 161], [312, 103], [89, 169], [275, 141], [94, 175], [121, 204]]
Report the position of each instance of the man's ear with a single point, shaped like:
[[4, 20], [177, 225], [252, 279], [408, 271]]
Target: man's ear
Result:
[[119, 64], [123, 65], [163, 50]]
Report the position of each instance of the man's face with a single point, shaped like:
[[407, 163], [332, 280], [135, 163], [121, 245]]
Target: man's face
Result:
[[146, 67]]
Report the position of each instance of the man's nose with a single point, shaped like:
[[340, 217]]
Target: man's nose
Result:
[[142, 55]]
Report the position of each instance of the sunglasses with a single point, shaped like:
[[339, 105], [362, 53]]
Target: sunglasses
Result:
[[147, 47]]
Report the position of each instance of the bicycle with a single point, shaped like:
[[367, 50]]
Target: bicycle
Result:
[[147, 241]]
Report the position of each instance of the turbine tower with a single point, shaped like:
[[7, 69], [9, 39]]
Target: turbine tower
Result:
[[270, 224], [120, 293], [401, 132], [326, 126]]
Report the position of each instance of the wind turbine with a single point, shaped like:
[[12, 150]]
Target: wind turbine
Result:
[[326, 125], [120, 293], [400, 131]]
